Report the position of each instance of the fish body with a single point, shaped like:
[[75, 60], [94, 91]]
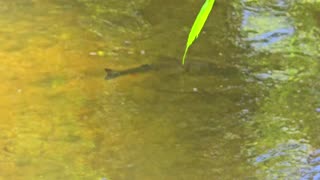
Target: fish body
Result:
[[111, 74], [192, 66]]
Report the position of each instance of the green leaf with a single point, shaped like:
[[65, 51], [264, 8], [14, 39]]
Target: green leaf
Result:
[[198, 24]]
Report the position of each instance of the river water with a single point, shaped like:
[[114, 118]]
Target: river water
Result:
[[255, 115]]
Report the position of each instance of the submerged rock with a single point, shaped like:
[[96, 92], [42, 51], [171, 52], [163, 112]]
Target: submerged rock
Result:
[[277, 75], [263, 76]]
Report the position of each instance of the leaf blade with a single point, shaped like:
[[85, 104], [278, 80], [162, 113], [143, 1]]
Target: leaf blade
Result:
[[198, 25]]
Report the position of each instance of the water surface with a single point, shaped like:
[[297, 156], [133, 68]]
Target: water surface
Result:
[[255, 117]]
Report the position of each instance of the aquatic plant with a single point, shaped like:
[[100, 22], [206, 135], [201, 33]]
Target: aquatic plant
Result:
[[198, 25]]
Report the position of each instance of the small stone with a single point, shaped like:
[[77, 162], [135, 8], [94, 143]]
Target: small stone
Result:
[[195, 89], [130, 165], [92, 53], [263, 76], [318, 109], [231, 136], [127, 42], [142, 52], [284, 129], [245, 111]]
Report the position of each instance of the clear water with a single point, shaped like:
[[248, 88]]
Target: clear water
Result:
[[254, 116]]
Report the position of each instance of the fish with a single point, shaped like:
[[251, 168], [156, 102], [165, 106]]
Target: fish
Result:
[[112, 74], [191, 66]]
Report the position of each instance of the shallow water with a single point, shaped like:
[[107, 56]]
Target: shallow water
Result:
[[255, 117]]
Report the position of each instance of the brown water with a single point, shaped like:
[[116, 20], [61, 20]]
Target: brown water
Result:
[[255, 117]]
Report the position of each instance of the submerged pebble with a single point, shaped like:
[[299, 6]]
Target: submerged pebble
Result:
[[127, 42], [263, 76]]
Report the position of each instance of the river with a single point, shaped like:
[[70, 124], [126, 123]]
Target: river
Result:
[[256, 117]]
